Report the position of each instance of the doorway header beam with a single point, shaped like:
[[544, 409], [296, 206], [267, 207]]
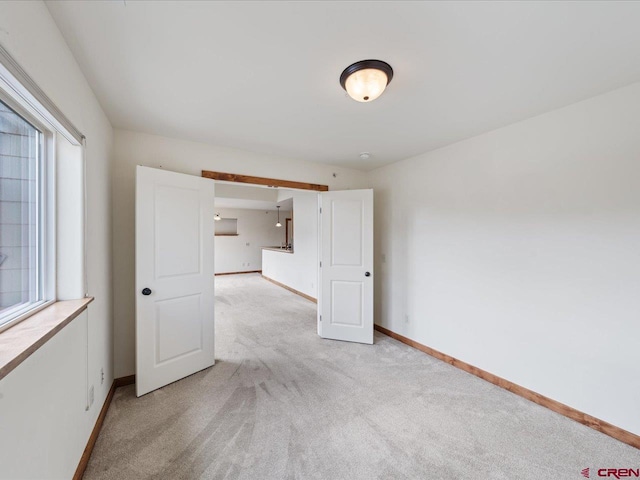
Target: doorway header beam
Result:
[[269, 182]]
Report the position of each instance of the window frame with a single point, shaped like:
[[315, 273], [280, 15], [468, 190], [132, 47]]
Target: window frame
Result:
[[46, 224]]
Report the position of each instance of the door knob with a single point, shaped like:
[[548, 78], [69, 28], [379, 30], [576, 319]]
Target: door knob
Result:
[[146, 291], [367, 274]]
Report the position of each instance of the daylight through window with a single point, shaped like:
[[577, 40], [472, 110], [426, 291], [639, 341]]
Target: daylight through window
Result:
[[21, 215]]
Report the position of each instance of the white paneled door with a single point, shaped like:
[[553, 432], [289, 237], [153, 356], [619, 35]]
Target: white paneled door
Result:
[[174, 277], [345, 299]]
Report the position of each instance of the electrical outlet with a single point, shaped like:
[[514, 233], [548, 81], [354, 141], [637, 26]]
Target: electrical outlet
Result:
[[91, 395], [101, 376], [248, 264], [384, 258]]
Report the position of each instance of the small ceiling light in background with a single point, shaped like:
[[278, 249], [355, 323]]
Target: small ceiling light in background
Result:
[[365, 156], [278, 224], [365, 80], [217, 217]]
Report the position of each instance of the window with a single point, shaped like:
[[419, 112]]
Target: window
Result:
[[42, 204], [24, 282]]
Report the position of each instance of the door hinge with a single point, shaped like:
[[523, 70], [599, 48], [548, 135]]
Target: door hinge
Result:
[[320, 264], [320, 209], [320, 317]]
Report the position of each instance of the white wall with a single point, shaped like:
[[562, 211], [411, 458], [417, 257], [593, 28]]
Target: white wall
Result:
[[30, 35], [43, 429], [517, 251], [133, 148], [257, 228], [298, 270]]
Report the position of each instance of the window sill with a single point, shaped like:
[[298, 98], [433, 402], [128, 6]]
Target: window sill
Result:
[[21, 340]]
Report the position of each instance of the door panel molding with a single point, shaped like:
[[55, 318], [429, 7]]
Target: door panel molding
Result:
[[174, 277], [345, 293]]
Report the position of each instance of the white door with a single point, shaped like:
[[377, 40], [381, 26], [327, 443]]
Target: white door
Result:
[[345, 297], [174, 276]]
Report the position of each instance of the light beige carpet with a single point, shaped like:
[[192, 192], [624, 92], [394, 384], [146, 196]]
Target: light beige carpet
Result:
[[282, 403]]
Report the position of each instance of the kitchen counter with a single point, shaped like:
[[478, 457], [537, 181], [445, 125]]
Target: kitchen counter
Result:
[[279, 249]]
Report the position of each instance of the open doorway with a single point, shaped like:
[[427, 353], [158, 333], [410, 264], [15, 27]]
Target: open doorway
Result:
[[268, 231], [175, 245]]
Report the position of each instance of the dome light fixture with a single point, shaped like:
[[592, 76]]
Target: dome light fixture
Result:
[[365, 80], [278, 224]]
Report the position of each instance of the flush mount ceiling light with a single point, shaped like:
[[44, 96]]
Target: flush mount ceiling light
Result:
[[217, 217], [365, 80], [278, 224]]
